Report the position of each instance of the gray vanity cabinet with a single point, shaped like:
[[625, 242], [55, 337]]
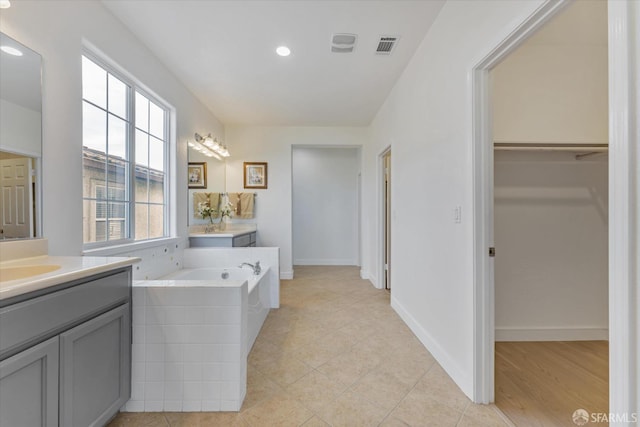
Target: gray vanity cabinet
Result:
[[235, 240], [65, 353], [95, 369], [29, 387]]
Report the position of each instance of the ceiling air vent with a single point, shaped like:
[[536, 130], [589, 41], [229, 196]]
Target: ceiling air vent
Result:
[[343, 43], [386, 45]]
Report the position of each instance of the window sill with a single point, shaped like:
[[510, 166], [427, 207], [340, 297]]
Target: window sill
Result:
[[130, 247]]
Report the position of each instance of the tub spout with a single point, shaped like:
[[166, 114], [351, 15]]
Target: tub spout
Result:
[[256, 268]]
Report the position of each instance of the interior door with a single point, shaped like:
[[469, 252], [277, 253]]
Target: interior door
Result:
[[16, 201], [387, 220]]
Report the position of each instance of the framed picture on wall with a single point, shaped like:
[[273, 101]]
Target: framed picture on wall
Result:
[[255, 175], [197, 174]]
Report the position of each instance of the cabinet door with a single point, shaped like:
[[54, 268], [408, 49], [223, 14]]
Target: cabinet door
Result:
[[29, 387], [95, 377]]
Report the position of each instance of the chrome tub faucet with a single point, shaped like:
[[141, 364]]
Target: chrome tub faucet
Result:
[[256, 268]]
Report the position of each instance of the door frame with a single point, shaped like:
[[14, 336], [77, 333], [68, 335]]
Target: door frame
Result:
[[381, 217], [623, 349]]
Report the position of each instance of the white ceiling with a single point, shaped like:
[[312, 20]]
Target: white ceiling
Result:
[[224, 52]]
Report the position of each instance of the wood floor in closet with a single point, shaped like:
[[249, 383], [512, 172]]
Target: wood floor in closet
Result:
[[543, 383]]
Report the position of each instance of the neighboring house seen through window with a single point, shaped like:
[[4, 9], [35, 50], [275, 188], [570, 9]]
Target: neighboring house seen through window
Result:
[[125, 158]]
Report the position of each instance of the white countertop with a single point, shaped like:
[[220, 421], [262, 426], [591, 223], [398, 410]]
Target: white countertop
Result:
[[71, 268], [232, 230]]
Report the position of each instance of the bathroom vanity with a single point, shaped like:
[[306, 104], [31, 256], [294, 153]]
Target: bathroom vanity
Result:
[[65, 341], [235, 235]]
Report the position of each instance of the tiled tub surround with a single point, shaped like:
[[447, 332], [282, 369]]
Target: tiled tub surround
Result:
[[191, 337]]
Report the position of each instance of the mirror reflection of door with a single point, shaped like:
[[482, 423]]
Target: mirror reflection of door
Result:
[[16, 201], [20, 137]]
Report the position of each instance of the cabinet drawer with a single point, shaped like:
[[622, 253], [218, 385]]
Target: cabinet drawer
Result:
[[244, 240], [30, 321]]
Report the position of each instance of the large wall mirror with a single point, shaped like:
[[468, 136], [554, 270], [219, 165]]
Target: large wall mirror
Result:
[[20, 140], [215, 180]]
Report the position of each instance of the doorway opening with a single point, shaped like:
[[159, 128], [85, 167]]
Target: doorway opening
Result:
[[550, 131], [622, 339], [326, 205]]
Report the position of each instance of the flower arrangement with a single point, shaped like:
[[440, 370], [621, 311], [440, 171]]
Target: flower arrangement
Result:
[[206, 211], [226, 210]]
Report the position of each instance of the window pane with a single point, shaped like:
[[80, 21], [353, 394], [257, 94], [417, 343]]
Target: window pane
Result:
[[117, 180], [156, 120], [119, 177], [94, 83], [117, 137], [142, 112], [101, 210], [116, 229], [94, 128], [156, 154], [142, 148], [117, 210], [142, 221], [156, 187], [93, 172], [156, 221], [92, 230], [117, 97], [141, 184]]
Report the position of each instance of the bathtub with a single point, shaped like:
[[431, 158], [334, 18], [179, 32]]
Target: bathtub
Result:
[[192, 332], [257, 290], [218, 274]]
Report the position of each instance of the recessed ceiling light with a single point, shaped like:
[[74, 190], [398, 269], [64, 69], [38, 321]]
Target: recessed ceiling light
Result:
[[5, 4], [283, 51], [11, 50]]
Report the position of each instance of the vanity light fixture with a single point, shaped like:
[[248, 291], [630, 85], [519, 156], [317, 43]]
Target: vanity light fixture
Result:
[[210, 144], [5, 4], [283, 51], [202, 149], [11, 50]]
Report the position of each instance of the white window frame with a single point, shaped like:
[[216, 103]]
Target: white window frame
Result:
[[169, 158]]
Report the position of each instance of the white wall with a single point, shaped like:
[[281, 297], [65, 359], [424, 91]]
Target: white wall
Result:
[[273, 209], [554, 87], [427, 119], [57, 30], [325, 206], [552, 94], [551, 238], [20, 131]]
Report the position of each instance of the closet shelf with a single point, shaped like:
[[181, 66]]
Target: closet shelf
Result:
[[583, 150], [535, 146]]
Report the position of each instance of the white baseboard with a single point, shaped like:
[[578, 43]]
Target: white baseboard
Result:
[[442, 357], [325, 261], [551, 334], [365, 275], [286, 275]]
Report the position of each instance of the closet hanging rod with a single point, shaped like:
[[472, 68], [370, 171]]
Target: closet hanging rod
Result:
[[535, 146]]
